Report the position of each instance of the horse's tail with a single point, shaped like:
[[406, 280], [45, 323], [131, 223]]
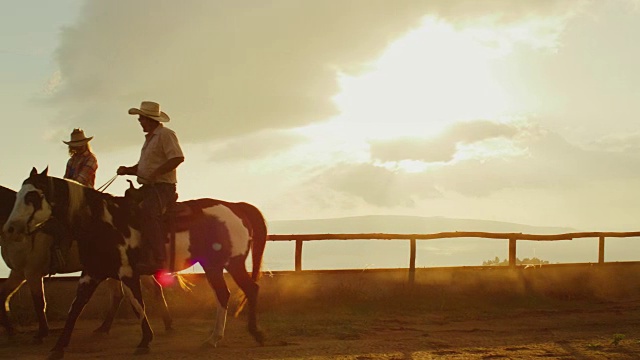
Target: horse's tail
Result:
[[166, 279], [184, 284], [259, 226]]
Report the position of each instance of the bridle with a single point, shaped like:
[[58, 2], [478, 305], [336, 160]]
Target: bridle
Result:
[[37, 227]]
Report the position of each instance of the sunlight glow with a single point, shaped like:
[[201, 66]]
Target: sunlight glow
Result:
[[490, 148], [429, 79]]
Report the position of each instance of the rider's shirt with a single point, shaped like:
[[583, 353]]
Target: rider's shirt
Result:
[[82, 168], [159, 146]]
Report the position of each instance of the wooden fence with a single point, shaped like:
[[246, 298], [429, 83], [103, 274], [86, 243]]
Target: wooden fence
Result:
[[512, 237]]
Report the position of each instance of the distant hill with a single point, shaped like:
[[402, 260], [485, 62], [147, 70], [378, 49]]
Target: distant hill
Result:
[[399, 224]]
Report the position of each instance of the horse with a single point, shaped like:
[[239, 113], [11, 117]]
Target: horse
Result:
[[29, 260], [218, 235]]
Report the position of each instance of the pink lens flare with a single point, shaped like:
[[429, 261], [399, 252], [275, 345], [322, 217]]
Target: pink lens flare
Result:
[[164, 278]]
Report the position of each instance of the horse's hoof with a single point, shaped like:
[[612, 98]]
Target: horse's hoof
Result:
[[212, 341], [207, 344], [37, 340], [56, 355], [259, 336], [169, 330], [142, 351]]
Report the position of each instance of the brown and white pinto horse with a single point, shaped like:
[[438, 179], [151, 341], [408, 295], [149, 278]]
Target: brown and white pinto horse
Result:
[[219, 236], [29, 260]]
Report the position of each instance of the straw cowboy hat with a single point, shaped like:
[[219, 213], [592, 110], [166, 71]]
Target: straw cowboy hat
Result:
[[78, 138], [151, 110]]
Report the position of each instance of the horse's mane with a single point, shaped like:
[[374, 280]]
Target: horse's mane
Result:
[[78, 194], [78, 185]]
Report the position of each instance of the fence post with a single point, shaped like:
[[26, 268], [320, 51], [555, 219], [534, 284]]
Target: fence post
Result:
[[412, 262], [512, 252], [298, 255], [601, 250]]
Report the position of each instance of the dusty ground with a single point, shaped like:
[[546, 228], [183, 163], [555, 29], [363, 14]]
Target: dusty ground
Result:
[[553, 312], [451, 327]]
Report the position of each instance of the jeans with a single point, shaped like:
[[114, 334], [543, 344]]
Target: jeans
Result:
[[156, 199]]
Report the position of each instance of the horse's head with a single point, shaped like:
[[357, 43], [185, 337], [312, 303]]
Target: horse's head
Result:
[[32, 207]]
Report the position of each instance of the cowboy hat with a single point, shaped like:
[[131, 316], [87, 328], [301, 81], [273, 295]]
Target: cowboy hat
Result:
[[151, 110], [78, 138]]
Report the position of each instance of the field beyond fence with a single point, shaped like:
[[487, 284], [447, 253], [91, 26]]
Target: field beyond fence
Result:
[[432, 288]]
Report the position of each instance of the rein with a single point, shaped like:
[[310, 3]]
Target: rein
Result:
[[37, 227], [106, 185]]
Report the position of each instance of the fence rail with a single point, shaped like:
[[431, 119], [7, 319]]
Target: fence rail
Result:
[[512, 237]]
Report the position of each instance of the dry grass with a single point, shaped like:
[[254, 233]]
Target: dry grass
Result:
[[568, 313]]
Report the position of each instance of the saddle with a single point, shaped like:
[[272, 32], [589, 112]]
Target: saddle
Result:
[[179, 213], [175, 219], [178, 218]]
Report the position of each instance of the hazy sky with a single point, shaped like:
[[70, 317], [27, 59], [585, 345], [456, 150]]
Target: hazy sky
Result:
[[522, 111]]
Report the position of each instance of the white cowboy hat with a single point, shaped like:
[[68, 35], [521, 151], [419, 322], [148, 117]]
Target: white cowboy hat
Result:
[[77, 138], [151, 110]]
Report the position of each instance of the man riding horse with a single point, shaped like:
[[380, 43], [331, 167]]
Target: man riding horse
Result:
[[156, 172]]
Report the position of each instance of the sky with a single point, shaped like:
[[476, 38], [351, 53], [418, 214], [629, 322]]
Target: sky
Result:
[[522, 111]]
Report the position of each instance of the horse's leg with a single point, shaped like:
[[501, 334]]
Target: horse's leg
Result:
[[132, 285], [158, 294], [86, 287], [219, 286], [9, 287], [117, 294], [238, 271], [34, 281]]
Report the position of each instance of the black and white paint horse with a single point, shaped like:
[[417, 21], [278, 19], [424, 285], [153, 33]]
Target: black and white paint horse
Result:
[[29, 260], [218, 235]]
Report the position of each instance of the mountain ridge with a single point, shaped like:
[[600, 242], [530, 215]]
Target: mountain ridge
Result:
[[404, 224]]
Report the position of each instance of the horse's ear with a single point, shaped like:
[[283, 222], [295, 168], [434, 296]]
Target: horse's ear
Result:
[[45, 171], [131, 185], [33, 172]]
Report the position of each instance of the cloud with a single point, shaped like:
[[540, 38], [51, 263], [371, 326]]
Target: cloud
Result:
[[53, 83], [228, 68], [255, 146], [441, 148], [549, 163], [231, 67], [627, 143], [377, 185]]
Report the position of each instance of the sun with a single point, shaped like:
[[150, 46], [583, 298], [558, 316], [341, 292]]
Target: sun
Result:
[[424, 82], [431, 78]]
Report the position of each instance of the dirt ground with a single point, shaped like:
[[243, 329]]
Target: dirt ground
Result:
[[581, 312], [523, 328]]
